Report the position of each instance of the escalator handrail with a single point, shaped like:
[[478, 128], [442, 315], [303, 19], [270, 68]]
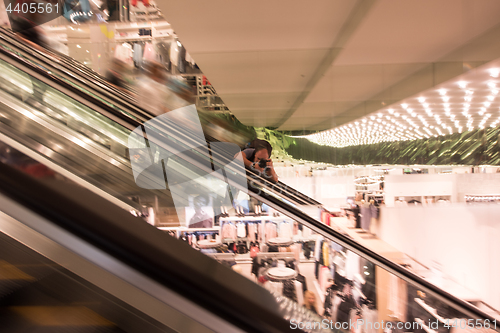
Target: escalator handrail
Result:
[[165, 259]]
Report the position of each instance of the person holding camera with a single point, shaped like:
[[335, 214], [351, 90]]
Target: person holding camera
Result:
[[257, 159]]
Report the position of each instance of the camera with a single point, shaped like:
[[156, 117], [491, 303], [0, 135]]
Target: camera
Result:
[[263, 163]]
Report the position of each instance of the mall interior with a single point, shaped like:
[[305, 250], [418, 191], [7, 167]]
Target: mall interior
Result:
[[264, 166]]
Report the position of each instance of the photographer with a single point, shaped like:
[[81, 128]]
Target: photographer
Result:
[[257, 159]]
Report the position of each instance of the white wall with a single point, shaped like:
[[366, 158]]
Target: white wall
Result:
[[330, 187], [456, 185], [463, 239], [417, 185]]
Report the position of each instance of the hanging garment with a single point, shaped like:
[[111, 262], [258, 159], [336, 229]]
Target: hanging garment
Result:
[[328, 304], [271, 230], [370, 317], [285, 231], [344, 309], [306, 232], [317, 249], [325, 254], [324, 275], [182, 60], [123, 52], [241, 230], [365, 212], [352, 265], [134, 2], [289, 290], [229, 231], [137, 55], [252, 230], [299, 292], [150, 53], [296, 250]]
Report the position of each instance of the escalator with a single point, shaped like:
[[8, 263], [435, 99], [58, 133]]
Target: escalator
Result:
[[92, 83], [73, 263], [50, 117]]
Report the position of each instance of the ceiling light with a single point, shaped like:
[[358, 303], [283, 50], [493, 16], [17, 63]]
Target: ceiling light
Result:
[[445, 98], [78, 46], [442, 92], [404, 105], [421, 99], [379, 115], [494, 92], [487, 104], [469, 92], [494, 72], [462, 84], [492, 85], [391, 111], [491, 98]]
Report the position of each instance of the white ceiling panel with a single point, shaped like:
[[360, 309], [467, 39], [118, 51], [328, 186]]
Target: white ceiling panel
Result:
[[397, 31], [222, 25], [273, 61], [260, 72], [359, 82]]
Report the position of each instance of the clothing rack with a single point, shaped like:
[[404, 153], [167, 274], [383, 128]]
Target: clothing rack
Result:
[[275, 255], [261, 219], [222, 256], [180, 230]]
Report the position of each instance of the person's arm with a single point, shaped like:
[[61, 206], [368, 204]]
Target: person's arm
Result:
[[270, 171]]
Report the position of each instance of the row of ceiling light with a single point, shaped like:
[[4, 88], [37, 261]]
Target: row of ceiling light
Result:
[[455, 107]]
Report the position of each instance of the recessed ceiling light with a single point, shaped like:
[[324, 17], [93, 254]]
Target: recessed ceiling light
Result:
[[421, 99], [442, 92], [494, 72], [492, 85], [462, 84]]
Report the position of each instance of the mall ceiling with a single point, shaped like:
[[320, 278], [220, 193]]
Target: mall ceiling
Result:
[[315, 65]]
